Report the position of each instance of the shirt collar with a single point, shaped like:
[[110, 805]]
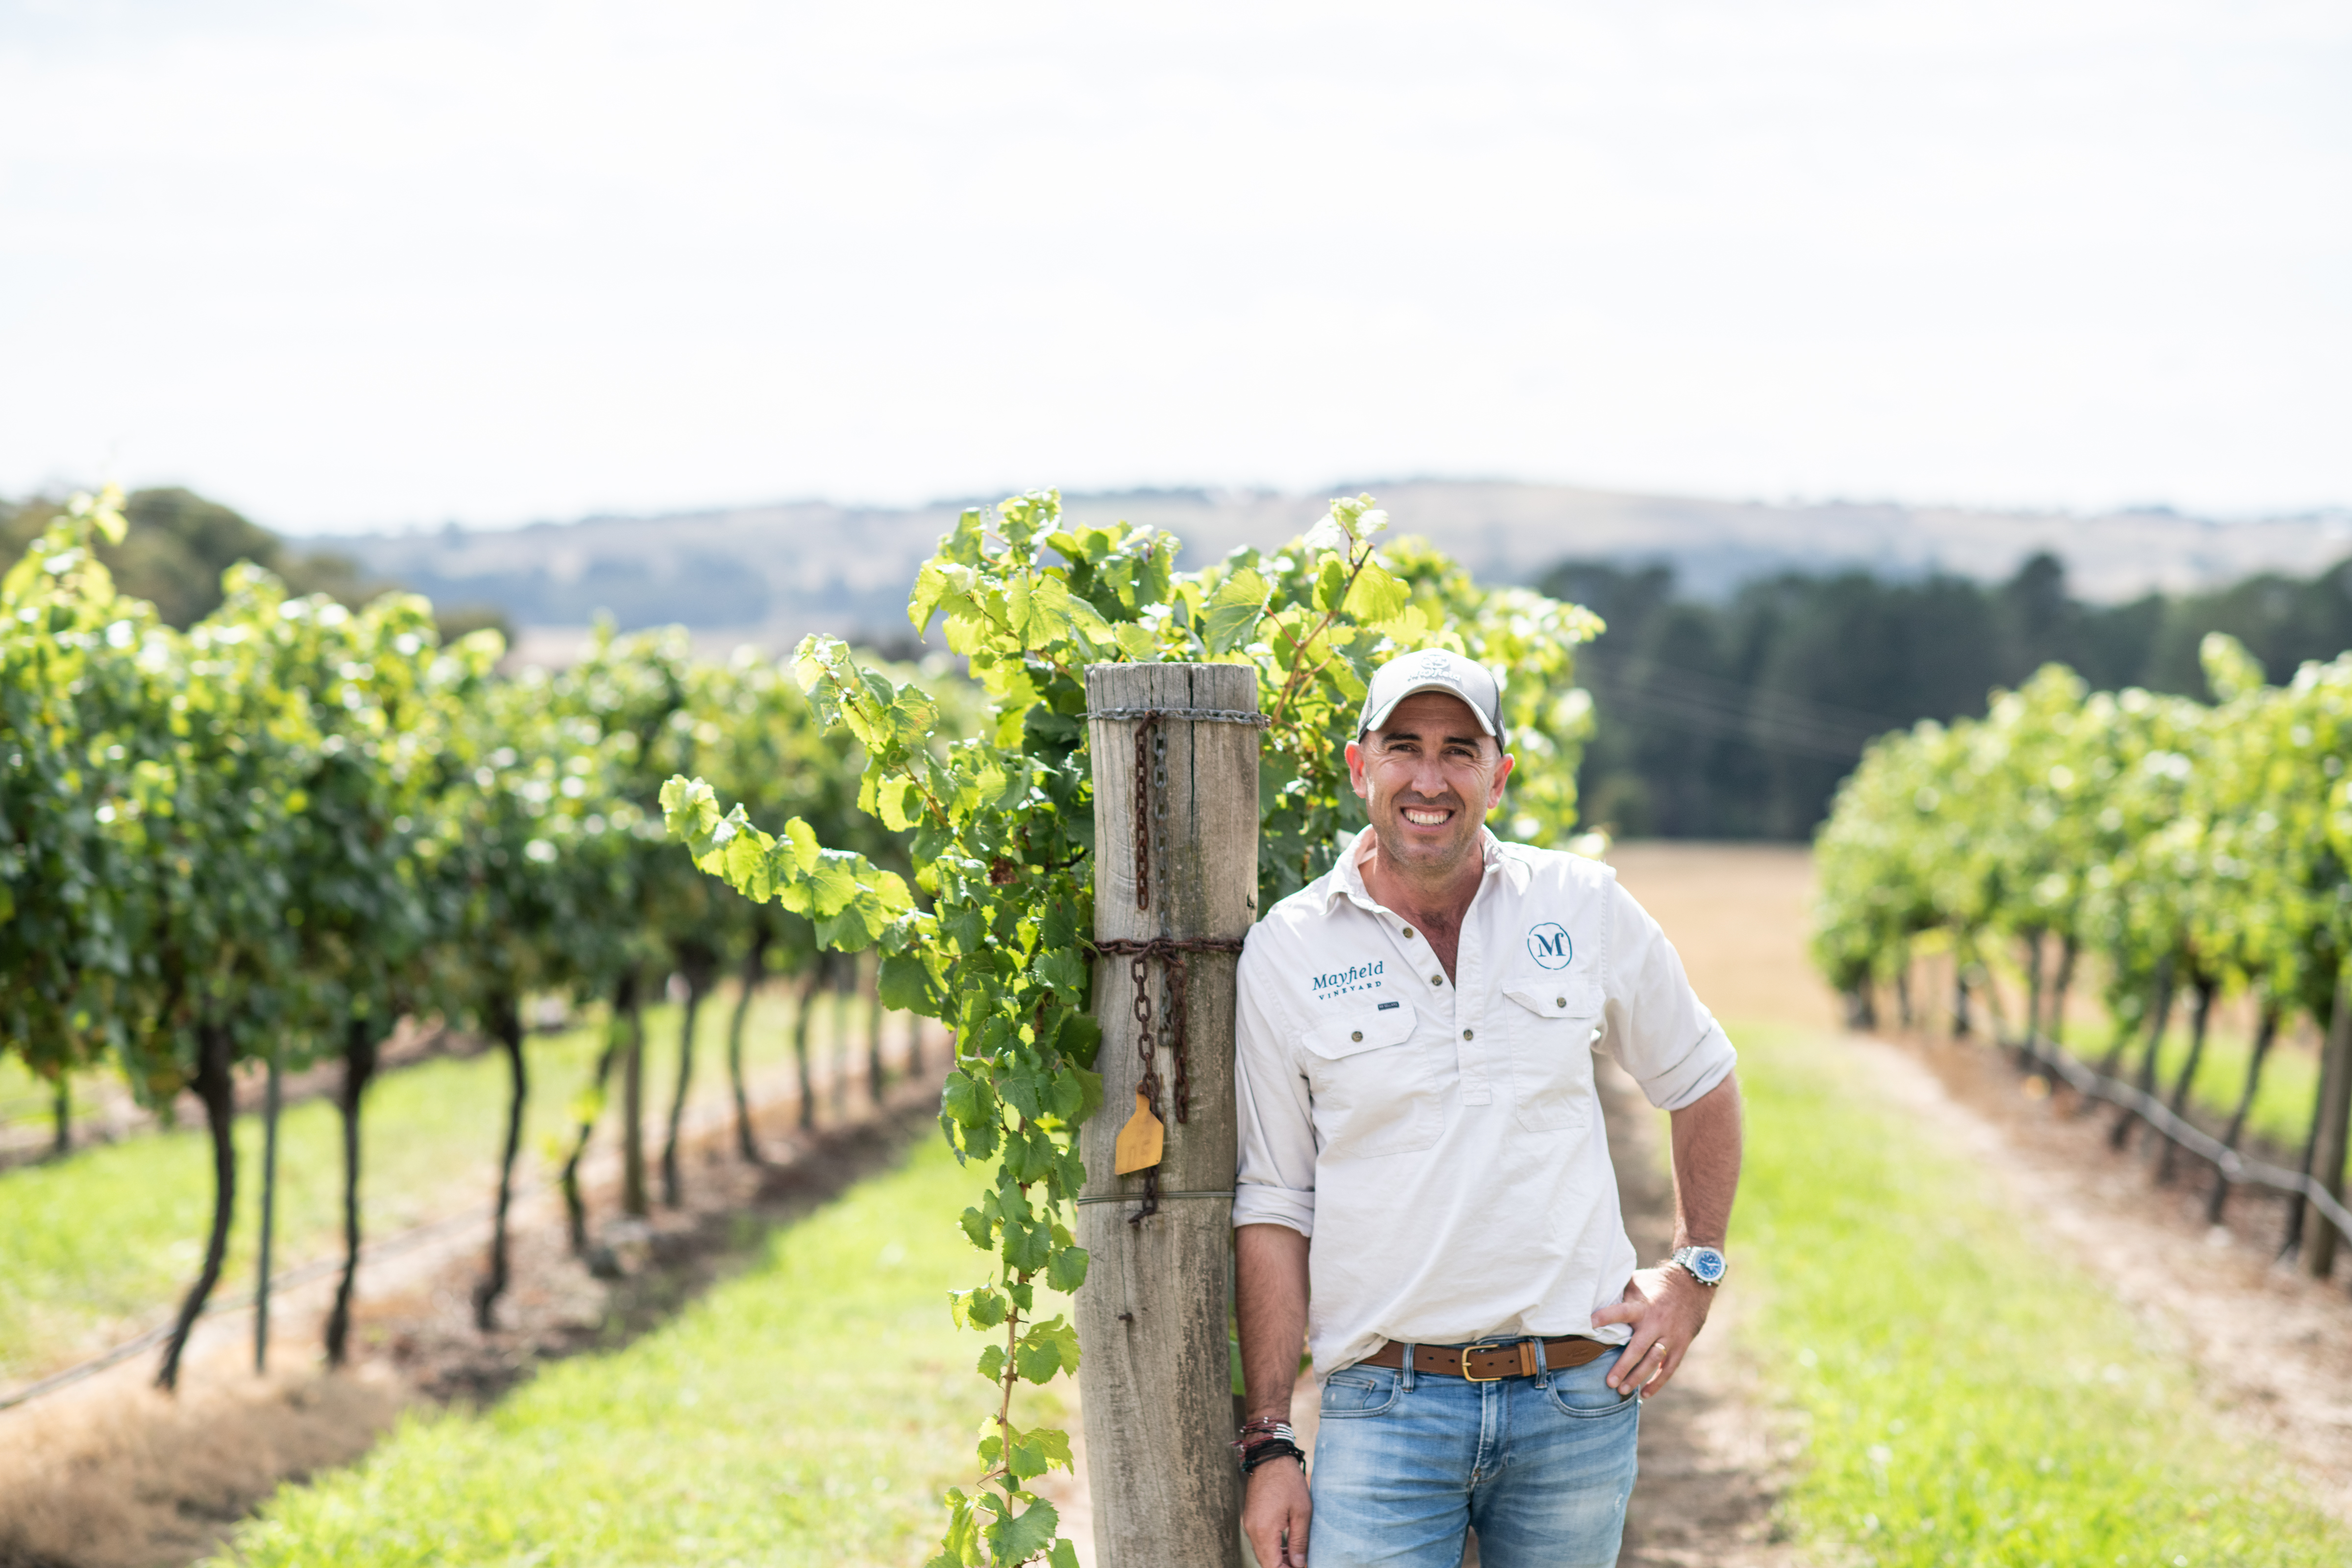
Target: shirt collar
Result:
[[1346, 880]]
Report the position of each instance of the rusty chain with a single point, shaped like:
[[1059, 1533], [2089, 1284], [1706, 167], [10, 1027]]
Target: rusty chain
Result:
[[1147, 731], [1150, 743], [1170, 951]]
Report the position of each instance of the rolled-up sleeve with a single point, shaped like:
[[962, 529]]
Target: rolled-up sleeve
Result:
[[1274, 1182], [1658, 1028]]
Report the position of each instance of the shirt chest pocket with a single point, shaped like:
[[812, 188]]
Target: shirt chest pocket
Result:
[[1373, 1083], [1553, 1025]]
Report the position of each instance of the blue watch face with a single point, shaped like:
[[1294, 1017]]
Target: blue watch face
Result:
[[1707, 1263]]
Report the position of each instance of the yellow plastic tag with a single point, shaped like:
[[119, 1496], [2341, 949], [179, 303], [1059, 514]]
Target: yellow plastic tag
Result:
[[1140, 1141]]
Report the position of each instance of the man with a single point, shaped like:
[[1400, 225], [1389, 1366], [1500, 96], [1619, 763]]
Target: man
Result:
[[1414, 1073]]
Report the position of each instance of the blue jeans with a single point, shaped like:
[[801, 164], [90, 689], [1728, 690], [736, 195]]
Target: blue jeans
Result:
[[1404, 1462]]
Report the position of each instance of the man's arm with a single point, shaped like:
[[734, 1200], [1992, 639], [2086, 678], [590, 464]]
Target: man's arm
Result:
[[1270, 1298], [1667, 1307], [1707, 1165]]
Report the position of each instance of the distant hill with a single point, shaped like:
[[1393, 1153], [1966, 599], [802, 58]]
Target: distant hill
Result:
[[769, 573]]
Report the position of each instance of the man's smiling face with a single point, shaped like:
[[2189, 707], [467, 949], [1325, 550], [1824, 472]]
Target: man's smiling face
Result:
[[1427, 778]]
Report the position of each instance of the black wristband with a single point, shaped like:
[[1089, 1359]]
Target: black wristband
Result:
[[1280, 1448]]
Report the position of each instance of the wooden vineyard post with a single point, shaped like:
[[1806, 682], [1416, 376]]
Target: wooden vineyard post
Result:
[[2328, 1130], [1155, 1377]]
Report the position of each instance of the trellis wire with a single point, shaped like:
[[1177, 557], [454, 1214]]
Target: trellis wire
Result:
[[2234, 1167]]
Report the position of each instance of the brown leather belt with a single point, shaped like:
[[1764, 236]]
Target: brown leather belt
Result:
[[1487, 1362]]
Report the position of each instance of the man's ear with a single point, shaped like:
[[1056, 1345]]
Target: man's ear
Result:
[[1356, 770], [1502, 775]]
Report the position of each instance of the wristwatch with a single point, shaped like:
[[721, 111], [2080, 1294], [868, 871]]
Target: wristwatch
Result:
[[1703, 1264]]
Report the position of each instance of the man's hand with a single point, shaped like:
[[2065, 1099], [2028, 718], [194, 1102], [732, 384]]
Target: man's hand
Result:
[[1668, 1308], [1275, 1511]]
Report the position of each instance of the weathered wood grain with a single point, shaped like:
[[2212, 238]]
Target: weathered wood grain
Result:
[[1155, 1378]]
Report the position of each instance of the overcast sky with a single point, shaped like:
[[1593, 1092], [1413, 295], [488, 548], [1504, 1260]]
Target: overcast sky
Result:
[[350, 265]]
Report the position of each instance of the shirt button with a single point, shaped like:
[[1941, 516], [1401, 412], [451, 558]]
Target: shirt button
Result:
[[1437, 979], [1359, 1035], [1467, 1033], [1559, 1001], [1408, 933]]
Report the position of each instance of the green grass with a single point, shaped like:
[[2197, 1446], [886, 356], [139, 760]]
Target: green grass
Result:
[[1969, 1398], [808, 1411], [103, 1243]]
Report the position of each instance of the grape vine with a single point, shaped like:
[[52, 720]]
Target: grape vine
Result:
[[261, 841], [2187, 849], [990, 937]]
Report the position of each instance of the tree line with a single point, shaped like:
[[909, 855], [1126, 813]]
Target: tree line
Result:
[[176, 544], [256, 842], [1737, 720]]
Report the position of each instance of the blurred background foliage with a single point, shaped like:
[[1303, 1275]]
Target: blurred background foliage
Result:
[[1736, 717], [179, 543]]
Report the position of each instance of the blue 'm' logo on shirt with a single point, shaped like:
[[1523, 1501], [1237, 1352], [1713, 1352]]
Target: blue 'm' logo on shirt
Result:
[[1549, 946]]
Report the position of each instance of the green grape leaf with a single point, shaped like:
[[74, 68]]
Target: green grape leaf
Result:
[[1063, 970], [1067, 1270], [1026, 1245], [905, 985], [1047, 1348], [1235, 611], [967, 1099], [1015, 1540], [1331, 584], [1377, 595], [1081, 1038], [979, 1308]]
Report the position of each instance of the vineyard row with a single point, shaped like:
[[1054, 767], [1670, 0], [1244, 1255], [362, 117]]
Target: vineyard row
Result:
[[2182, 851], [258, 844]]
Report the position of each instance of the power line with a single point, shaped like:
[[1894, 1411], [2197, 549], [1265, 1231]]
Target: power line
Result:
[[1715, 709]]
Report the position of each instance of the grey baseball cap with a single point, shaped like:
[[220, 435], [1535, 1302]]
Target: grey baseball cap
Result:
[[1435, 669]]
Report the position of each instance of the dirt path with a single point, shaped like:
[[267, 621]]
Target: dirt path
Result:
[[1713, 1458], [1712, 1465]]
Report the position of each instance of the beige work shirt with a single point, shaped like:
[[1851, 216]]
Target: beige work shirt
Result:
[[1441, 1142]]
